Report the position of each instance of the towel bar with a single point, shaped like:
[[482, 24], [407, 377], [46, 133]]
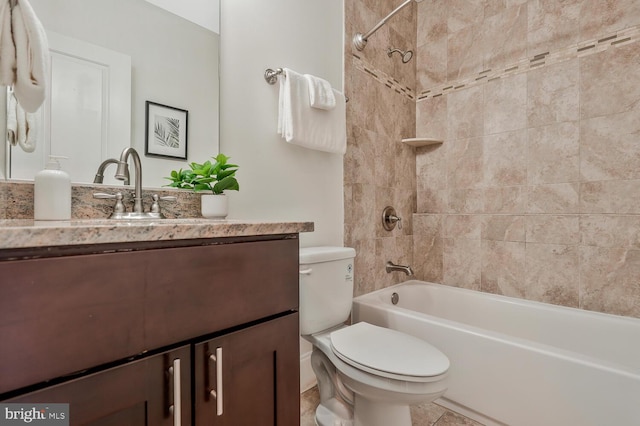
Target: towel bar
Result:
[[271, 76]]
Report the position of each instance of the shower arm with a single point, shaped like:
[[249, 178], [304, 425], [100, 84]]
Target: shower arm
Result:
[[360, 40]]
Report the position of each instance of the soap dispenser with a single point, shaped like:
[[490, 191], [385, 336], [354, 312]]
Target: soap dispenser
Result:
[[52, 192]]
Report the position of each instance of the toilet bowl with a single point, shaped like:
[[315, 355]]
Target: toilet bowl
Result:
[[367, 375]]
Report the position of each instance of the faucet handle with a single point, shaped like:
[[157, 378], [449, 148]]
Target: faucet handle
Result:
[[119, 207], [155, 206], [390, 219]]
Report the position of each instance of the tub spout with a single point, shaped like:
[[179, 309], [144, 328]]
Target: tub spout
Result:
[[390, 267]]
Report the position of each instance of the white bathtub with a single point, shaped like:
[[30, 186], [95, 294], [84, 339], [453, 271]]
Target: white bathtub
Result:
[[518, 362]]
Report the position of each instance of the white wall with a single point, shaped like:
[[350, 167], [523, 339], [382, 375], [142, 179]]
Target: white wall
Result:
[[279, 181], [205, 13]]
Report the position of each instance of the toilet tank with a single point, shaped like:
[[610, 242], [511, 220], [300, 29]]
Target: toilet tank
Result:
[[326, 287]]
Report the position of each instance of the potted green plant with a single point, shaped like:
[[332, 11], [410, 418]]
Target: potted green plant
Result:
[[212, 179]]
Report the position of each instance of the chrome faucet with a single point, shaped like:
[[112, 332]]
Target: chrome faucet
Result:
[[122, 173], [100, 173], [390, 267]]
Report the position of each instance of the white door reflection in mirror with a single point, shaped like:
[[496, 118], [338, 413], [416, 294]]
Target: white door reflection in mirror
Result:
[[87, 114]]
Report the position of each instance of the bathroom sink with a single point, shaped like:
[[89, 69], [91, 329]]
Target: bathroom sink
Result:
[[136, 216]]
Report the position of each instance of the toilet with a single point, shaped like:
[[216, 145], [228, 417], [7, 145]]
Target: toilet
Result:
[[367, 375]]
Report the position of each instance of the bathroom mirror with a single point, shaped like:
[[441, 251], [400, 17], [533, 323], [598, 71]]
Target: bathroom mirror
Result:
[[174, 62]]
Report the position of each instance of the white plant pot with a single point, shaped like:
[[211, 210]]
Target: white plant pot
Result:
[[214, 206]]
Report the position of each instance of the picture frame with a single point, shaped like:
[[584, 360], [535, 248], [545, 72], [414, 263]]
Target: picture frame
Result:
[[166, 131]]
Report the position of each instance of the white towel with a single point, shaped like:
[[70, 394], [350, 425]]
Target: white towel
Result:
[[32, 56], [22, 127], [320, 93], [7, 48], [12, 118], [302, 125]]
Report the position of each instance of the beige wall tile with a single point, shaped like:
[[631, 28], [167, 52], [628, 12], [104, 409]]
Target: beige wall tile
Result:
[[504, 36], [431, 166], [464, 13], [503, 266], [465, 52], [432, 118], [365, 264], [552, 24], [553, 94], [615, 196], [361, 212], [553, 198], [553, 153], [607, 85], [465, 116], [469, 200], [505, 104], [503, 228], [431, 20], [609, 146], [610, 231], [551, 274], [462, 226], [427, 247], [505, 199], [432, 200], [427, 258], [553, 229], [505, 158], [465, 163], [431, 63], [610, 280], [359, 160], [462, 263], [599, 17]]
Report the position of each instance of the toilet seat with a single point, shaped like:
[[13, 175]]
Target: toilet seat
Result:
[[388, 353]]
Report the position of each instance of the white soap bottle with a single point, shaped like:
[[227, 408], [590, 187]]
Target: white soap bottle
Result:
[[52, 192]]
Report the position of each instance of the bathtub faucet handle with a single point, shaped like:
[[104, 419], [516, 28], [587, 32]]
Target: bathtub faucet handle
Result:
[[390, 219]]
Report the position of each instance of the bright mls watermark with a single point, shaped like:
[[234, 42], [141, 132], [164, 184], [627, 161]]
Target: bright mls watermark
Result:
[[34, 414]]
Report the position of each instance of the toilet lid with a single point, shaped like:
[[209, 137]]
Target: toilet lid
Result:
[[381, 350]]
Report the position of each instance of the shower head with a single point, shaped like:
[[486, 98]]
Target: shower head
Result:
[[360, 40], [406, 55]]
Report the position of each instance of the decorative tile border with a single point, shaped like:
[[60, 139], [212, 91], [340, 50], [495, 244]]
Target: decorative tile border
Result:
[[584, 48], [384, 78], [578, 50]]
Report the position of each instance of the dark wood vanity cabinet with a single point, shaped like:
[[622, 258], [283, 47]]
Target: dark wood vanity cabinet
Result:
[[100, 328], [254, 377], [137, 393]]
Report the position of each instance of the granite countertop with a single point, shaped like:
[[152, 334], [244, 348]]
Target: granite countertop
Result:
[[23, 233]]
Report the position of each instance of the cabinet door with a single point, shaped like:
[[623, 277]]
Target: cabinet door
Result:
[[254, 374], [137, 393]]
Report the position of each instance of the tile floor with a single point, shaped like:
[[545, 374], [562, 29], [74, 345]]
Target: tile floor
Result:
[[423, 415]]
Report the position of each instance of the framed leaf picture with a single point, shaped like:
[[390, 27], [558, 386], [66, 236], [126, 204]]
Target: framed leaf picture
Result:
[[166, 131]]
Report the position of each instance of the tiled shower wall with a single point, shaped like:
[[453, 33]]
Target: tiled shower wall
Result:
[[378, 169], [535, 192]]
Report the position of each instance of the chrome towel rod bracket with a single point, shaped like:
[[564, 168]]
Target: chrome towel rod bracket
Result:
[[271, 76]]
